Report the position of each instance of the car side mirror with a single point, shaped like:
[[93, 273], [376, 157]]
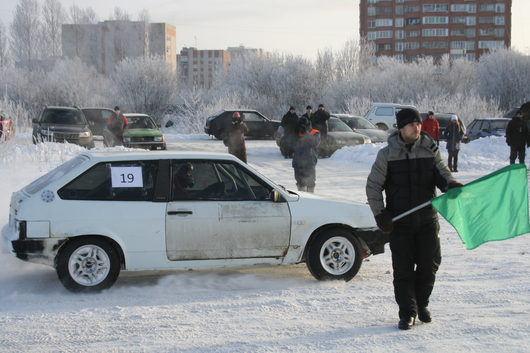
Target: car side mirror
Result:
[[277, 197]]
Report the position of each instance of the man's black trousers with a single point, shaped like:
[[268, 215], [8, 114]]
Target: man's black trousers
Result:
[[416, 257], [517, 151]]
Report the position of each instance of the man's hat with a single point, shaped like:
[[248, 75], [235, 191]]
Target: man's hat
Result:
[[407, 116], [309, 107]]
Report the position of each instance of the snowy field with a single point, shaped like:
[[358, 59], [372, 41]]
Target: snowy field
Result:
[[480, 303]]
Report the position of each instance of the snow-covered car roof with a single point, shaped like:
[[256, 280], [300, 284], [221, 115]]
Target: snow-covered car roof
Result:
[[147, 155]]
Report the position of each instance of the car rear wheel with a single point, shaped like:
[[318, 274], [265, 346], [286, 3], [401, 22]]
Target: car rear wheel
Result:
[[88, 264], [334, 255], [381, 126]]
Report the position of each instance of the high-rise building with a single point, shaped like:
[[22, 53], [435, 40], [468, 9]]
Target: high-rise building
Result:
[[104, 44], [408, 29]]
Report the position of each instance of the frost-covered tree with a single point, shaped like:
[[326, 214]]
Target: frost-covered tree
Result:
[[79, 15], [120, 15], [504, 75], [144, 85], [53, 18], [26, 29], [4, 58], [144, 16]]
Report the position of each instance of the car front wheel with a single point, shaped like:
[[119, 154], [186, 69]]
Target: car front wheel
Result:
[[334, 255], [88, 265]]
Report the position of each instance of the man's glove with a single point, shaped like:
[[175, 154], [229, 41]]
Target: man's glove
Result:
[[454, 184], [384, 221]]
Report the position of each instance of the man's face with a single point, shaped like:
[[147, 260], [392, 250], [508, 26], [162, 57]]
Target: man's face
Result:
[[309, 111], [292, 111], [410, 132]]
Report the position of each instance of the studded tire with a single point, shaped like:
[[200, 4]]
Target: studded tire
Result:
[[88, 264], [334, 255]]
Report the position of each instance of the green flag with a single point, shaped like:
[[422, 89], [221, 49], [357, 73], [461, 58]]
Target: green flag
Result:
[[494, 207]]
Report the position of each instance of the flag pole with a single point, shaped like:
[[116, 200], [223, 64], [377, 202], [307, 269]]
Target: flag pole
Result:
[[412, 210]]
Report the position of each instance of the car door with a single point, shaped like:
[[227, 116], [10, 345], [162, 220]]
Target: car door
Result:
[[220, 210], [257, 125]]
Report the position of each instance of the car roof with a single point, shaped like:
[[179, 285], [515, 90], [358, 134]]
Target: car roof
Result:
[[392, 105], [502, 119], [59, 107], [136, 115], [148, 155], [101, 108], [347, 116]]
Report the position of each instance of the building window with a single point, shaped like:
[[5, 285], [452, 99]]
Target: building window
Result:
[[413, 21], [486, 20], [435, 32], [436, 20], [499, 20], [435, 8], [487, 7], [400, 22], [411, 45], [458, 32], [411, 9], [383, 10], [471, 20], [412, 34], [436, 45], [458, 19], [371, 11], [471, 32], [490, 44], [499, 8], [383, 22], [399, 9]]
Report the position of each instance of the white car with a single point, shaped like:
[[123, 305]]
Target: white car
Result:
[[383, 115], [99, 213]]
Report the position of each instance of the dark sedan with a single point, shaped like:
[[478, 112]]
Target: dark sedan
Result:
[[259, 126], [363, 126], [483, 127]]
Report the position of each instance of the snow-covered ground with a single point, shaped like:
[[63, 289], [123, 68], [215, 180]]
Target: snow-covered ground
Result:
[[481, 301]]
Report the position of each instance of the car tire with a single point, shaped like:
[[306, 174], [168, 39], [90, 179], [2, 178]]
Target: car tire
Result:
[[334, 255], [88, 265]]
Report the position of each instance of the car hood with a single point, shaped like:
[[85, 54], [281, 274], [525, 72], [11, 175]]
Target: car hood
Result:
[[346, 136], [309, 207], [64, 127], [374, 134], [142, 132]]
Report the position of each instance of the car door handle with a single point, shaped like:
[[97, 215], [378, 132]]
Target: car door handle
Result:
[[173, 213]]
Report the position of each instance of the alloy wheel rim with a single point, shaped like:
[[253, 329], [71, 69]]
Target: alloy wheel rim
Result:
[[337, 255], [89, 265]]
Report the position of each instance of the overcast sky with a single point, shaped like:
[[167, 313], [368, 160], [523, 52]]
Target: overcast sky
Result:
[[300, 27]]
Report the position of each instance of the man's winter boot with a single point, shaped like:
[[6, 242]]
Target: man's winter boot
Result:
[[424, 315], [405, 323], [310, 189], [302, 188]]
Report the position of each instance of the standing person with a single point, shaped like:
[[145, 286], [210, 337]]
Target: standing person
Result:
[[289, 124], [453, 134], [235, 139], [517, 137], [116, 125], [308, 112], [432, 127], [319, 120], [305, 156], [408, 169]]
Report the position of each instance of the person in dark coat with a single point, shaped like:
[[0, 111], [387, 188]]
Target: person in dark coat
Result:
[[308, 112], [453, 134], [289, 124], [305, 156], [408, 170], [319, 120], [517, 137], [235, 139]]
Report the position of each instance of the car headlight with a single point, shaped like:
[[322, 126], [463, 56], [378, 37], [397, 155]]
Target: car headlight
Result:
[[159, 138], [46, 132], [84, 134], [367, 140], [126, 139]]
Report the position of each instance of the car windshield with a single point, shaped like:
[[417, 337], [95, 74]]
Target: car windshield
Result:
[[498, 124], [361, 123], [140, 122], [338, 125], [54, 174], [66, 117]]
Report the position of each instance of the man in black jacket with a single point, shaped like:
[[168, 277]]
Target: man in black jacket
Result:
[[517, 137], [289, 124], [409, 169], [319, 120]]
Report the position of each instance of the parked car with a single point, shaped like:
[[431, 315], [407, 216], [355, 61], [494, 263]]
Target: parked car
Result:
[[383, 115], [511, 113], [259, 126], [6, 127], [100, 212], [339, 135], [444, 119], [62, 124], [363, 126], [97, 118], [143, 132], [483, 127]]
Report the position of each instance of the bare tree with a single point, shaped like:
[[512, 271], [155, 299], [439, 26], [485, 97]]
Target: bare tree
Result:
[[82, 16], [26, 33], [53, 18], [120, 15], [144, 16], [3, 46]]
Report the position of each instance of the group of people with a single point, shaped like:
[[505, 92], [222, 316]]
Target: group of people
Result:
[[301, 140], [454, 133]]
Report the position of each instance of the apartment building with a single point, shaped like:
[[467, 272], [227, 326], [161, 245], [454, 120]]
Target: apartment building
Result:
[[199, 67], [409, 29], [105, 44]]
